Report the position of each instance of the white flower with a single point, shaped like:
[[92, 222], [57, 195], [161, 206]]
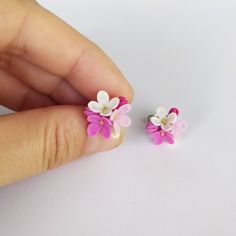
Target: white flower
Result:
[[104, 105], [161, 118]]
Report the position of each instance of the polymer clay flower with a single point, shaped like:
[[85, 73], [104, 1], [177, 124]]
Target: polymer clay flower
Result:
[[107, 116], [104, 105], [99, 124], [163, 119], [120, 119], [165, 126]]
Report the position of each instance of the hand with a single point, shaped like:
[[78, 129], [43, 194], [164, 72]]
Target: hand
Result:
[[48, 71]]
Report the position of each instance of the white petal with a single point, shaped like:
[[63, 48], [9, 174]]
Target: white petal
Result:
[[166, 127], [124, 109], [94, 106], [155, 120], [102, 97], [113, 103], [172, 118], [161, 112]]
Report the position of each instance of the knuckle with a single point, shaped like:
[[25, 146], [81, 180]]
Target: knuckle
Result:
[[59, 146]]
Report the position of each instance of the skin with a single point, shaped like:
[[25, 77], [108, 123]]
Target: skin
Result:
[[48, 72]]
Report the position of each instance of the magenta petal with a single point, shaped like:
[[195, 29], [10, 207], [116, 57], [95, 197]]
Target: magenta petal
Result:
[[169, 138], [106, 121], [123, 101], [93, 129], [151, 128], [106, 131], [174, 110], [94, 118], [88, 112], [157, 138]]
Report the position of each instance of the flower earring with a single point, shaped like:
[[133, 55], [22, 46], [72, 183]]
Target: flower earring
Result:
[[165, 126], [106, 116]]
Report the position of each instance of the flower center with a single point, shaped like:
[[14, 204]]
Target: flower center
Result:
[[164, 121], [105, 109], [101, 122], [162, 133]]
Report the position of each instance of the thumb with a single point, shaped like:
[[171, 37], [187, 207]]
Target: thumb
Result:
[[36, 140]]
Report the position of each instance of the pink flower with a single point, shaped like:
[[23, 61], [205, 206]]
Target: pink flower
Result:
[[123, 101], [99, 124], [119, 118], [160, 136]]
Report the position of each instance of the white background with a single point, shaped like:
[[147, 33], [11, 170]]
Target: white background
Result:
[[175, 53]]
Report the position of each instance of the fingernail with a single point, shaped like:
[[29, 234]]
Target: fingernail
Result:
[[99, 144]]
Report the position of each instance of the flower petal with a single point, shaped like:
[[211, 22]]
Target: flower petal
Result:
[[155, 120], [169, 138], [113, 103], [94, 106], [161, 112], [106, 131], [113, 115], [106, 121], [157, 138], [180, 125], [93, 129], [124, 109], [102, 97], [151, 128], [166, 127], [172, 118], [116, 127], [94, 118], [124, 121], [88, 112]]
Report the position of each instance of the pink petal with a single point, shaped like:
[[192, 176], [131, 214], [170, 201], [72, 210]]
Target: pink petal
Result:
[[124, 109], [157, 138], [94, 118], [151, 128], [169, 138], [116, 127], [106, 121], [88, 112], [180, 125], [113, 115], [124, 121], [93, 129], [123, 101], [106, 131]]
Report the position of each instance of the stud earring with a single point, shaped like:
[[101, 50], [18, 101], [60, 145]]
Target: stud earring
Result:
[[165, 126], [106, 116]]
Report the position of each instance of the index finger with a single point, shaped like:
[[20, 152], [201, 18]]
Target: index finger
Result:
[[56, 47]]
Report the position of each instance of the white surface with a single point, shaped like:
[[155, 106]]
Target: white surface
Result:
[[174, 52]]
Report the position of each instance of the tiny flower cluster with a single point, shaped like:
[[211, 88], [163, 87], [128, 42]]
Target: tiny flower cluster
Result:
[[164, 126], [106, 116]]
